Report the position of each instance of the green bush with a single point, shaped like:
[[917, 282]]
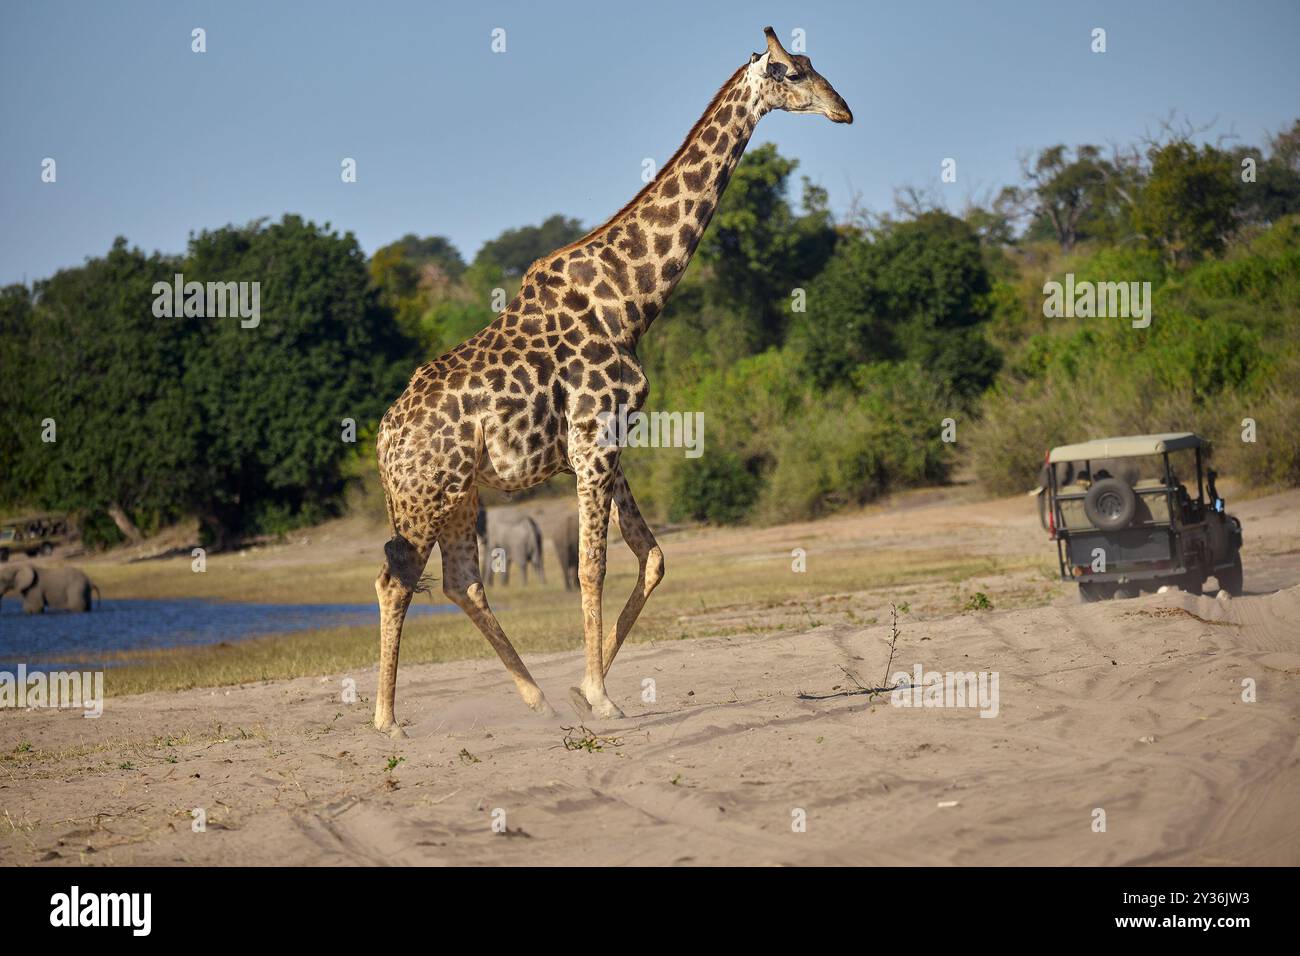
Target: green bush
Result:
[[744, 405], [1221, 347], [916, 290], [1273, 459], [716, 487], [850, 446], [99, 532]]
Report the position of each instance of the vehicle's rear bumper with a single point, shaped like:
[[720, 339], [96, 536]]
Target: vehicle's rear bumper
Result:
[[1127, 575]]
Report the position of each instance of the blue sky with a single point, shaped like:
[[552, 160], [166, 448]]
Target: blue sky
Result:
[[153, 141]]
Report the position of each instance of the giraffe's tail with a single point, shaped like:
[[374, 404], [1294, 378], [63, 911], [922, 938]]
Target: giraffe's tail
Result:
[[404, 563]]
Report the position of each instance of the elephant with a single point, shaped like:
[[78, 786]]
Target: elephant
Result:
[[564, 536], [520, 542], [480, 531], [45, 586]]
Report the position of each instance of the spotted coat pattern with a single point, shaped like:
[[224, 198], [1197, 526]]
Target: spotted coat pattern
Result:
[[520, 401]]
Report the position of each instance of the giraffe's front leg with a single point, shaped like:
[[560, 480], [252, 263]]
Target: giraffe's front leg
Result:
[[641, 540], [594, 495]]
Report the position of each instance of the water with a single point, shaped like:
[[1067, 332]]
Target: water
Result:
[[66, 640]]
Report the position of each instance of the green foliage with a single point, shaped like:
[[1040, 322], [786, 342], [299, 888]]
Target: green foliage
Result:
[[272, 404], [916, 291], [777, 448], [516, 249], [717, 487], [15, 430], [856, 443], [448, 322], [98, 531], [1223, 340], [1074, 198], [907, 322], [735, 298], [1186, 206], [95, 362], [757, 248], [407, 274], [695, 336], [1273, 459], [401, 269], [1275, 193], [185, 415]]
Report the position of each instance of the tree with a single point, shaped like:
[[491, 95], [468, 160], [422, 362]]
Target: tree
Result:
[[19, 424], [1186, 206], [915, 290], [158, 417], [516, 249], [1072, 198], [403, 269], [995, 223], [411, 275], [99, 366], [737, 294], [1275, 191], [272, 400], [758, 249]]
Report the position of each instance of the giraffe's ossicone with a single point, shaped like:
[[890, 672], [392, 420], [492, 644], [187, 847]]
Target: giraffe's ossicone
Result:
[[525, 397]]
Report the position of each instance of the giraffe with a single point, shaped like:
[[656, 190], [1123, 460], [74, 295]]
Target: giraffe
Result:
[[524, 398]]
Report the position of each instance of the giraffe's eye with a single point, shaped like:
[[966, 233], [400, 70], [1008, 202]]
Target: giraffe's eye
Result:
[[795, 77]]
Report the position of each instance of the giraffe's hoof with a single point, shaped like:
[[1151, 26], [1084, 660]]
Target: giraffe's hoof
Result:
[[602, 706], [579, 701], [536, 700], [391, 729]]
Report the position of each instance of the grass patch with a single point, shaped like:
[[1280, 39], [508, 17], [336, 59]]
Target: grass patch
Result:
[[703, 595]]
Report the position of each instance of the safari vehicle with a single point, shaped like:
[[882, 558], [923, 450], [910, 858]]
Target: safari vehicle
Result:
[[1124, 521], [33, 535]]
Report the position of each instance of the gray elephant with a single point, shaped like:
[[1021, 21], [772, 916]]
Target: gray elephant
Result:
[[512, 539], [564, 537], [67, 589], [480, 531]]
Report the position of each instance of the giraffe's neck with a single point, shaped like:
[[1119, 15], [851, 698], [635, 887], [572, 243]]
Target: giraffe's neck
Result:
[[657, 233]]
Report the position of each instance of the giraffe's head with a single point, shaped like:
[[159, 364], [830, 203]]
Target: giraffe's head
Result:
[[789, 82]]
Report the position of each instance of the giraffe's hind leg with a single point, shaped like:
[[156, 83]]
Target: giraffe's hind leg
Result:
[[397, 582], [462, 583], [415, 532]]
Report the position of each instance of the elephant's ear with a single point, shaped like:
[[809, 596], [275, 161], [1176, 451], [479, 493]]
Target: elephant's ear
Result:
[[25, 578]]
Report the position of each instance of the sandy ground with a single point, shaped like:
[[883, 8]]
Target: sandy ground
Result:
[[1134, 708]]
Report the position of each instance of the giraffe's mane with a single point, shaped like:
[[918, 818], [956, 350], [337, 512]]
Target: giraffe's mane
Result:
[[717, 98]]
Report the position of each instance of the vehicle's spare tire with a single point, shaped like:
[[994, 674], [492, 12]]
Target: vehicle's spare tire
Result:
[[1110, 504]]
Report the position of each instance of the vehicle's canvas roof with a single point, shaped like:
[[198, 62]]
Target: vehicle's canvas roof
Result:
[[1128, 446]]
